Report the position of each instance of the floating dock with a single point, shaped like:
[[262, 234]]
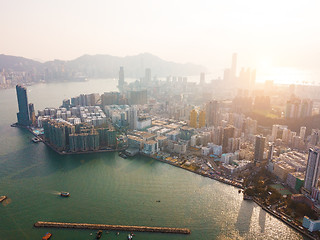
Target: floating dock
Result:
[[112, 227], [2, 198]]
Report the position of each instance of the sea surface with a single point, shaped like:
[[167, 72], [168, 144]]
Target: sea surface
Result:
[[107, 189]]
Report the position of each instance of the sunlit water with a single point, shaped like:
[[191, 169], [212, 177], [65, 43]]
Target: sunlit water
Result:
[[107, 189]]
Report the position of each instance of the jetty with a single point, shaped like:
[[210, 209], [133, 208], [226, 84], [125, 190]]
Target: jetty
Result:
[[112, 227], [2, 198]]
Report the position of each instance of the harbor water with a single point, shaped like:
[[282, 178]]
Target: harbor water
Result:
[[105, 188]]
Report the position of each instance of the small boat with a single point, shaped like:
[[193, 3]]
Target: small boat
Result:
[[35, 140], [129, 236], [123, 155], [64, 194], [117, 233], [47, 236], [99, 234]]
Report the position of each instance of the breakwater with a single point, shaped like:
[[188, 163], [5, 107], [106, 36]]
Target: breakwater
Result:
[[112, 227]]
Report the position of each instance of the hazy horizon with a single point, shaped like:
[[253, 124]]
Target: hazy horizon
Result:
[[280, 39]]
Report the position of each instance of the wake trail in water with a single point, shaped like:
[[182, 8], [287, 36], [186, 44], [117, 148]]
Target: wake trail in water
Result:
[[53, 192]]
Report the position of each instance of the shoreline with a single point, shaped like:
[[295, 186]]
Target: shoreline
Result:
[[217, 178], [280, 217], [275, 214], [63, 152]]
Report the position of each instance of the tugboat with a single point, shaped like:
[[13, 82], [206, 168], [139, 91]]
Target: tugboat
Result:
[[47, 236], [99, 234], [64, 194]]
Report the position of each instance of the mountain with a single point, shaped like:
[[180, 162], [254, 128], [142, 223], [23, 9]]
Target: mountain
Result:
[[100, 66], [18, 64]]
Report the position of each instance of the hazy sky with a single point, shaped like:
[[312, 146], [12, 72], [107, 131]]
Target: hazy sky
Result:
[[265, 34]]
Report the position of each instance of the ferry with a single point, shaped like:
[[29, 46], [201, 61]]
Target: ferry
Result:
[[47, 236], [64, 194], [35, 140]]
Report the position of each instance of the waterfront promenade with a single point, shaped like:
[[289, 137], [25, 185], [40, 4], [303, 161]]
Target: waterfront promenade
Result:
[[278, 215]]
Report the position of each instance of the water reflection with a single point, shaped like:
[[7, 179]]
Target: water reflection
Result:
[[262, 220], [244, 217]]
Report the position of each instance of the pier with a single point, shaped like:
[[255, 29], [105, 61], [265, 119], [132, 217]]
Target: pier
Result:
[[2, 198], [112, 227]]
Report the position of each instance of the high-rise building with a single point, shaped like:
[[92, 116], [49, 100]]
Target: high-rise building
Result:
[[121, 79], [233, 69], [303, 132], [270, 152], [202, 119], [259, 148], [137, 97], [212, 111], [133, 117], [23, 114], [227, 75], [274, 132], [313, 170], [32, 114], [147, 77], [228, 132], [202, 78], [193, 118]]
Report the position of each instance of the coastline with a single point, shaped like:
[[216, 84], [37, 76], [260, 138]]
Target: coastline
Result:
[[214, 177], [280, 217], [63, 152]]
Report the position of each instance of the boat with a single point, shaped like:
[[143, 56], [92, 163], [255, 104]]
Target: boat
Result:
[[99, 234], [35, 140], [117, 233], [129, 236], [64, 194], [47, 236], [123, 155]]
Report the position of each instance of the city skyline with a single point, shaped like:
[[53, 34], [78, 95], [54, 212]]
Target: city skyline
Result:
[[271, 37]]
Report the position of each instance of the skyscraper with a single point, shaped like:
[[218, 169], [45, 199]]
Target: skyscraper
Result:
[[259, 148], [202, 119], [228, 132], [274, 132], [23, 114], [202, 78], [271, 150], [133, 117], [147, 77], [121, 79], [193, 118], [32, 114], [212, 111], [303, 132], [313, 170], [234, 67]]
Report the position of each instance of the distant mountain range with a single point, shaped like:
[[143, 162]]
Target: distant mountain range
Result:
[[99, 66]]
